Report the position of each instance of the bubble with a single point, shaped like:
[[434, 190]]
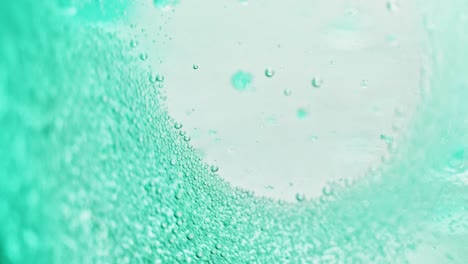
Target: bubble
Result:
[[133, 43], [199, 254], [143, 56], [214, 168], [160, 78], [152, 78], [364, 84], [317, 82], [269, 72], [327, 190], [241, 80], [195, 67], [386, 138], [178, 214], [392, 6], [178, 125], [302, 113], [187, 138], [300, 197], [178, 195], [190, 236], [287, 92]]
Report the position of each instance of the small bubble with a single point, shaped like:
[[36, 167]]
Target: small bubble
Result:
[[302, 113], [199, 254], [177, 125], [327, 190], [392, 6], [218, 246], [300, 197], [214, 168], [317, 82], [152, 78], [269, 72], [195, 67], [143, 56], [187, 138], [172, 240], [160, 78], [364, 84], [133, 43], [178, 214], [386, 138], [287, 92], [173, 162], [241, 80], [190, 236]]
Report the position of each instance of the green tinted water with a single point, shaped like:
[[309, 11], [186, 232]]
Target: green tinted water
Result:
[[93, 169]]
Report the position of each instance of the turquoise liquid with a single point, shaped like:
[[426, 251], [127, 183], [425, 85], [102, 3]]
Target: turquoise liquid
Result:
[[94, 170]]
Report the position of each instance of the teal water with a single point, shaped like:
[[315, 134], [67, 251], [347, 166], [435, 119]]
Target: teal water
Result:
[[94, 170]]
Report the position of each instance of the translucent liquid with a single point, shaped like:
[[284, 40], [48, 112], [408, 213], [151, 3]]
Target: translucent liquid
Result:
[[94, 170]]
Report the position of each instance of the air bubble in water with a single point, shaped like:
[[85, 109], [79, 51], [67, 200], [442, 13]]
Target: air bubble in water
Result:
[[386, 138], [269, 72], [300, 197], [241, 80], [143, 56], [392, 6], [317, 82], [302, 113], [214, 168], [364, 84], [177, 125], [160, 78]]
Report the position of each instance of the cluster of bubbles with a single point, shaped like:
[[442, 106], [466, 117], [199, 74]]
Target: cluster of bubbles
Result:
[[93, 169]]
